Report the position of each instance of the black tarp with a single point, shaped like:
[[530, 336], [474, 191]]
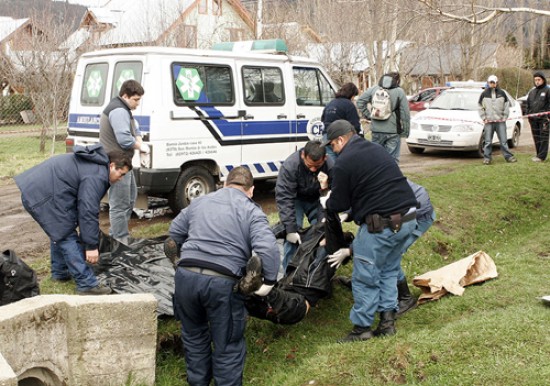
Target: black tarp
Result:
[[140, 267]]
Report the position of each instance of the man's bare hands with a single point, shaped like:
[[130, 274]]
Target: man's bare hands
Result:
[[92, 257]]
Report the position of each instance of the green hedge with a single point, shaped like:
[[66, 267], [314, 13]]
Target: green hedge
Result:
[[11, 106]]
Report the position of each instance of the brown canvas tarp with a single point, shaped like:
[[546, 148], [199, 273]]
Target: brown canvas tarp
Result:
[[452, 278]]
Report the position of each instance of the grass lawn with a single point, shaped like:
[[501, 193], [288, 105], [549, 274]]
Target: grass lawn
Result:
[[495, 334]]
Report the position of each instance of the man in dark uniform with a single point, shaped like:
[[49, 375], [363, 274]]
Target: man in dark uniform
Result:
[[538, 101], [367, 179], [218, 233]]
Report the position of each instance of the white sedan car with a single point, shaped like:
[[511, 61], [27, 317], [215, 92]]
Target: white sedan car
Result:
[[452, 122]]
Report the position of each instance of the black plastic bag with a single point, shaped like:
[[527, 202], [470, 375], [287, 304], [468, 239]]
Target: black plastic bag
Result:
[[17, 280]]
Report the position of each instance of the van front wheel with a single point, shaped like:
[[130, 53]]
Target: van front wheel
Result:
[[193, 182]]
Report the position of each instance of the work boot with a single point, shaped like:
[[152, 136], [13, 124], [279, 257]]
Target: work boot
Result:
[[344, 280], [386, 326], [358, 334], [252, 280], [99, 289], [171, 250], [406, 301]]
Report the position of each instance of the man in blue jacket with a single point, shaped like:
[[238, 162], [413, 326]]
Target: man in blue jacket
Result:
[[218, 233], [63, 193]]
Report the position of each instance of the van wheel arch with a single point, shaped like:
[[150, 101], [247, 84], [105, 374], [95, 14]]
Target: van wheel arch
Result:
[[194, 181]]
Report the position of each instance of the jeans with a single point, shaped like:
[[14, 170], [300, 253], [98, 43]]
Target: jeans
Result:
[[67, 259], [303, 208], [540, 132], [390, 142], [376, 264], [500, 128], [211, 313], [422, 226], [122, 197]]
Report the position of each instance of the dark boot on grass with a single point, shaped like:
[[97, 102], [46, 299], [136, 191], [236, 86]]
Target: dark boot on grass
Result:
[[386, 326], [405, 299], [358, 334]]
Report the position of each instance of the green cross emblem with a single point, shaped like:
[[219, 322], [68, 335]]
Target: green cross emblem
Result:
[[94, 84], [189, 84], [124, 76]]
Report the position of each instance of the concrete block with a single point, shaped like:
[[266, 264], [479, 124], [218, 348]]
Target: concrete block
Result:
[[81, 340]]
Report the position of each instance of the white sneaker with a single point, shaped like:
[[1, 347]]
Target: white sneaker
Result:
[[536, 159]]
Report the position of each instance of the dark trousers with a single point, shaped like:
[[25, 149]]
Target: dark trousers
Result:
[[213, 319], [539, 129]]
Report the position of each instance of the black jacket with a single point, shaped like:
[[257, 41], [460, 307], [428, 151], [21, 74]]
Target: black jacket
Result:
[[367, 179], [341, 108], [295, 181], [538, 100]]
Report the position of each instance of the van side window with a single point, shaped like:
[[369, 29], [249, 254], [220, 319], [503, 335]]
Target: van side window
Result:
[[94, 84], [200, 84], [123, 72], [312, 88], [263, 86]]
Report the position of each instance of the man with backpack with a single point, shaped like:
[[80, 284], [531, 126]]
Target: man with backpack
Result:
[[387, 107]]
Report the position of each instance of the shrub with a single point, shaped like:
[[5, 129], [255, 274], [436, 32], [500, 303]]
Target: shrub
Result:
[[11, 106]]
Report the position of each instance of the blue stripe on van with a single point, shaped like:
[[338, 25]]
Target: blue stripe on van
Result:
[[259, 168], [91, 121]]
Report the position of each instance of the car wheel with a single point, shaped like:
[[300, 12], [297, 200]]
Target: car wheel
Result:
[[479, 151], [514, 141], [192, 182], [416, 150]]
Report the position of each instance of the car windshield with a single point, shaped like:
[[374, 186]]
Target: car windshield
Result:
[[457, 100]]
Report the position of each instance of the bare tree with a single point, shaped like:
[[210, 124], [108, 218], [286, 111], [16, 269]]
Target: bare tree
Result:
[[474, 12], [43, 72]]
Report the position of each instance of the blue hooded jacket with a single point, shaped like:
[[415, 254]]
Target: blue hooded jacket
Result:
[[65, 191]]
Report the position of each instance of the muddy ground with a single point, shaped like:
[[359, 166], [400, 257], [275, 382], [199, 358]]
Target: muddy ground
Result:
[[19, 232]]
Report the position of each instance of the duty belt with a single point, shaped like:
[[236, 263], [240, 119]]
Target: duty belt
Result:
[[208, 272], [376, 223]]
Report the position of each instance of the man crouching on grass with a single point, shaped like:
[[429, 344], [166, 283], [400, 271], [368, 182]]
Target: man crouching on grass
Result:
[[63, 193]]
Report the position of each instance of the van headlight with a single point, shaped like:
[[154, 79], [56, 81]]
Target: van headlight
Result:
[[415, 126]]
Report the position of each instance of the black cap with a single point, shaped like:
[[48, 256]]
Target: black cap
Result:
[[336, 129]]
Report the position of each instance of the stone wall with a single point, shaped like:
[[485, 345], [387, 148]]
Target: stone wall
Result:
[[79, 340]]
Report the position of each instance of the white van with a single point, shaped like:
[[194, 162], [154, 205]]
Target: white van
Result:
[[204, 111]]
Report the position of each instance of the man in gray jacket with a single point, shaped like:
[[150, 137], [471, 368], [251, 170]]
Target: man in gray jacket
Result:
[[494, 108], [388, 132], [118, 130]]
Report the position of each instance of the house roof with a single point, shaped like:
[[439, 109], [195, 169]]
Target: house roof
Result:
[[139, 21], [9, 26], [136, 21]]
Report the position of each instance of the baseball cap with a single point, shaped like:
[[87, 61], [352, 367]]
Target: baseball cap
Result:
[[336, 129], [492, 78]]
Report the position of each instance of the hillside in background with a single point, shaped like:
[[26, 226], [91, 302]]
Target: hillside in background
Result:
[[65, 13]]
